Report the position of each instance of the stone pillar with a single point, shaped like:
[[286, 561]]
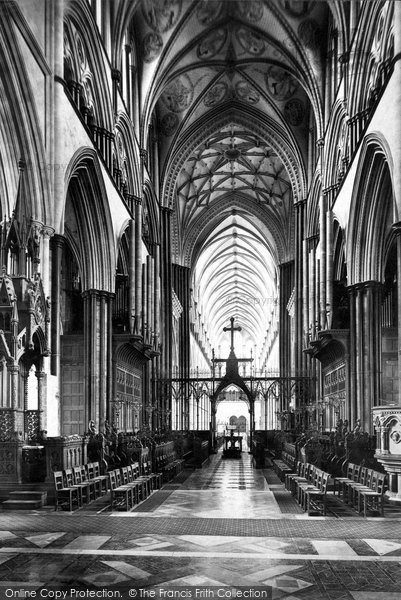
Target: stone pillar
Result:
[[41, 377], [396, 99], [138, 266], [91, 355], [397, 229], [132, 291], [103, 347], [144, 316], [156, 313], [323, 259], [329, 266], [299, 283], [365, 351], [286, 287], [47, 233], [57, 249]]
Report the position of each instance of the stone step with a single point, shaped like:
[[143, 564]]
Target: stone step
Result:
[[21, 504], [35, 495]]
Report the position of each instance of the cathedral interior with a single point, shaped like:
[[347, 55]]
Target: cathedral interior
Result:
[[200, 254]]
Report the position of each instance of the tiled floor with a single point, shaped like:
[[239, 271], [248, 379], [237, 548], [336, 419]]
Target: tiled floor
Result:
[[221, 532]]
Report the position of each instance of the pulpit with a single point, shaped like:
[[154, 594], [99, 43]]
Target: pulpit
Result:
[[232, 446], [387, 422]]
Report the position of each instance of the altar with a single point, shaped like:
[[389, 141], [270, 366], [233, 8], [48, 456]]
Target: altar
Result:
[[232, 446]]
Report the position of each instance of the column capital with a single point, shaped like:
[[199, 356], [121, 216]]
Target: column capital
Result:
[[300, 203], [58, 240], [364, 286], [313, 241], [48, 231]]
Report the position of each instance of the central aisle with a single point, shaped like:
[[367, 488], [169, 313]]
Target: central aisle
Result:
[[226, 488]]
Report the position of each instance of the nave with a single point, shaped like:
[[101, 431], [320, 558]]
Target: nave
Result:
[[224, 529]]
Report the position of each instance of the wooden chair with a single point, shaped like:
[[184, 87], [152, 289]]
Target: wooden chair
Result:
[[121, 496], [85, 488], [157, 478], [352, 475], [93, 473], [308, 484], [133, 477], [90, 482], [315, 499], [127, 479], [365, 475], [147, 481], [373, 499], [65, 495]]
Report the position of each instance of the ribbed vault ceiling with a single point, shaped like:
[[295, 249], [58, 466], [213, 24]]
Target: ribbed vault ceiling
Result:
[[235, 276], [233, 88]]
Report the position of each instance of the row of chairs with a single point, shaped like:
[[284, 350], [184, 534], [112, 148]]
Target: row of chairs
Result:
[[363, 488], [78, 485], [309, 485], [284, 465], [129, 487], [169, 465]]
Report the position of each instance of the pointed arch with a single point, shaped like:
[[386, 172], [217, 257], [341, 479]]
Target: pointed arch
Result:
[[373, 211], [94, 236]]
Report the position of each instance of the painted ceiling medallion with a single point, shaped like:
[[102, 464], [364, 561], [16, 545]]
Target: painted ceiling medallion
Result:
[[310, 34], [280, 84], [161, 15], [252, 11], [294, 112], [297, 8], [151, 46], [212, 44], [169, 124], [208, 12], [177, 96], [245, 91], [250, 41], [216, 94]]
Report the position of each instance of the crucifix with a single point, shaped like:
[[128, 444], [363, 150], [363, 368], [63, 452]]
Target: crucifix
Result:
[[232, 329]]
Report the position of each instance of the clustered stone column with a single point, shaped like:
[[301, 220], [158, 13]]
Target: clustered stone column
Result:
[[365, 351]]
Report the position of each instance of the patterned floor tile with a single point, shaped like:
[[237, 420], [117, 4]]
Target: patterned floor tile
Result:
[[88, 542], [383, 547], [209, 540], [127, 569], [44, 539]]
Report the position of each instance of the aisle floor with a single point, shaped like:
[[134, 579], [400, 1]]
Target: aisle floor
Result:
[[221, 532]]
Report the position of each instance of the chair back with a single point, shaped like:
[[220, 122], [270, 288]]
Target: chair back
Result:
[[124, 475], [355, 474], [58, 480], [381, 483], [77, 475], [112, 480], [69, 478], [368, 479]]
